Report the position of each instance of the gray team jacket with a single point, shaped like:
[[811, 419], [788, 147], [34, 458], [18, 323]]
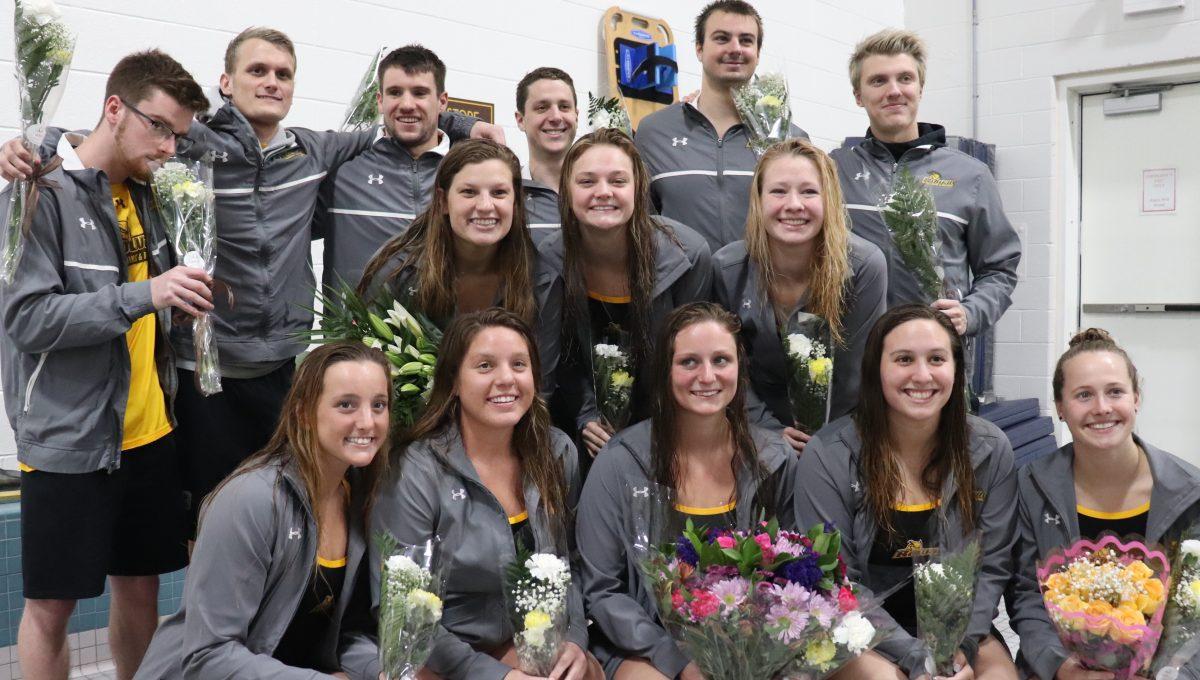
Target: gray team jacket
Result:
[[1047, 519], [370, 199], [436, 492], [65, 364], [541, 207], [980, 248], [696, 177], [683, 274], [737, 287], [831, 490], [619, 602], [254, 556]]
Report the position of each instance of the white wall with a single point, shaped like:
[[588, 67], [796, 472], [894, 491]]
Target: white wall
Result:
[[487, 47], [1026, 47]]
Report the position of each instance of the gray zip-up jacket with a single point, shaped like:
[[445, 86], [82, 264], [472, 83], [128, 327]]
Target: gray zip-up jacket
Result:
[[980, 248], [696, 177], [1047, 519], [547, 296], [65, 361], [619, 601], [370, 199], [683, 274], [737, 286], [832, 490], [254, 556], [437, 492], [541, 207]]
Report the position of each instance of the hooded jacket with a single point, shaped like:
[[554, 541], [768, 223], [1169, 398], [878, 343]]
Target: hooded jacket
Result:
[[437, 492], [980, 248], [682, 274], [832, 490], [541, 207], [619, 602], [1047, 519], [696, 177], [370, 199], [737, 286], [255, 555], [65, 361]]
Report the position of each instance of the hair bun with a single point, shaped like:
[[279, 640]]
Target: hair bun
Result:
[[1091, 335]]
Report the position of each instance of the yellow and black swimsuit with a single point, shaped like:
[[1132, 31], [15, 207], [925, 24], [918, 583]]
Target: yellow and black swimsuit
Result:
[[522, 532], [301, 643], [892, 554], [716, 517], [1092, 523]]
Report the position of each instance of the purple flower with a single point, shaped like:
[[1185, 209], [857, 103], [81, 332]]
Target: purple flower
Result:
[[731, 593], [790, 623], [803, 570], [823, 609], [685, 551]]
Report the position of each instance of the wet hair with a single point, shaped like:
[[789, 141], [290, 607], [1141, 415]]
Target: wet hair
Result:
[[295, 437], [531, 437], [275, 37], [664, 414], [1091, 340], [831, 251], [740, 7], [428, 243], [951, 452], [542, 73], [138, 75], [888, 42], [414, 59]]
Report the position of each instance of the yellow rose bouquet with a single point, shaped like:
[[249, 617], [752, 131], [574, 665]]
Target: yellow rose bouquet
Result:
[[613, 381], [1106, 599], [807, 344], [537, 585]]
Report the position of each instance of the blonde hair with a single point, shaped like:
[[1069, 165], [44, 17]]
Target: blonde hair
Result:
[[889, 42], [831, 253]]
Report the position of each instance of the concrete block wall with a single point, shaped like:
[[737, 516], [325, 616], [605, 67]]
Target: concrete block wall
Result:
[[487, 47], [1025, 48]]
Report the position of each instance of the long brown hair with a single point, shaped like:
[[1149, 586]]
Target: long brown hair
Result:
[[531, 437], [951, 452], [428, 243], [664, 421], [295, 436], [641, 250], [831, 251]]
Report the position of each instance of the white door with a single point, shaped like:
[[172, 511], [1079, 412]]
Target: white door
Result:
[[1139, 248]]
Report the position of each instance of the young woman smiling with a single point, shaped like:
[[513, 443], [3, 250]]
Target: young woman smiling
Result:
[[698, 443], [281, 540], [1107, 479], [470, 249], [799, 256], [911, 465], [483, 470], [623, 270]]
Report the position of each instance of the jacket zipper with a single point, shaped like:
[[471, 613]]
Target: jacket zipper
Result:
[[33, 379]]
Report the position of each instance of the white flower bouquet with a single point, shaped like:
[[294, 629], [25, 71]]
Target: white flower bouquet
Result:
[[763, 106], [184, 196], [410, 607], [608, 113], [1181, 621], [44, 48], [807, 344], [537, 587], [614, 384], [363, 111]]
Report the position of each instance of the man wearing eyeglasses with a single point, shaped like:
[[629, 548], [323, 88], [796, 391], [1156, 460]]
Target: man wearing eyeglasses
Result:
[[89, 373]]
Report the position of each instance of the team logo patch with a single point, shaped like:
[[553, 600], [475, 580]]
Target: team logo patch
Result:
[[914, 549], [935, 179]]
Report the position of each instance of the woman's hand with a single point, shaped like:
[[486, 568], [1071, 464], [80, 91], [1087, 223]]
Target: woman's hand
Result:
[[796, 438], [595, 436], [1073, 670], [573, 664], [965, 672], [691, 672]]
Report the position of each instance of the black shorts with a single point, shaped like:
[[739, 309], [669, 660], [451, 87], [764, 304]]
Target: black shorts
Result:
[[218, 432], [78, 528]]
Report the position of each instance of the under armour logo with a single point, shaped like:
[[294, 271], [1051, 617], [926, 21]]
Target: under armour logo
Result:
[[374, 179], [746, 303], [412, 291], [679, 141], [87, 224], [222, 156], [856, 487], [864, 175], [1051, 519], [459, 495], [643, 492], [293, 533]]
